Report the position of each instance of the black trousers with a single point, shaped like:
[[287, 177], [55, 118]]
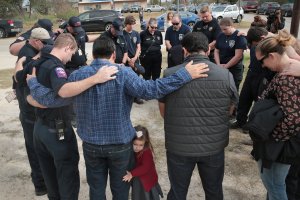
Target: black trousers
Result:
[[293, 182], [152, 65], [58, 160], [249, 93], [237, 73], [36, 173]]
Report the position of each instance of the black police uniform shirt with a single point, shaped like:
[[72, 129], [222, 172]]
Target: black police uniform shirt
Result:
[[174, 36], [27, 110], [228, 44], [132, 40], [121, 46], [52, 74], [210, 29], [151, 44], [23, 37], [79, 58]]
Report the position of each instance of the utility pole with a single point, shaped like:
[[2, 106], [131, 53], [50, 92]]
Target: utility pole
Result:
[[295, 19]]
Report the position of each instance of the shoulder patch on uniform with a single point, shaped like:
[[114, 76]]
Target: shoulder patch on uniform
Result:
[[60, 72], [21, 38]]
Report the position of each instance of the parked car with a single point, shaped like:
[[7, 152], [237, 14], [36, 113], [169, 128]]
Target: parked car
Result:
[[172, 7], [232, 11], [188, 18], [267, 8], [287, 9], [98, 20], [249, 6], [135, 8], [10, 27], [154, 8], [125, 9]]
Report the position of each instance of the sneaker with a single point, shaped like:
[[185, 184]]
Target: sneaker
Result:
[[138, 101], [40, 191]]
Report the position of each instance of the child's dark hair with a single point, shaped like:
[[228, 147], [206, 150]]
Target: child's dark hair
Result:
[[145, 137]]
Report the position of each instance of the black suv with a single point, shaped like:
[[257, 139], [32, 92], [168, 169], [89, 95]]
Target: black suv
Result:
[[10, 27], [287, 9], [98, 20], [267, 8]]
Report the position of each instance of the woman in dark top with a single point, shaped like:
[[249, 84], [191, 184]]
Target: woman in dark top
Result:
[[285, 89], [151, 57], [229, 50]]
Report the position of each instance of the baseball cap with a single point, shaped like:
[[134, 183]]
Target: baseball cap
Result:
[[118, 26], [75, 23], [46, 24], [41, 34]]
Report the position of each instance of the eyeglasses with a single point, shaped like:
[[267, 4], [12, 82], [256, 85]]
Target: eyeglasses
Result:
[[175, 24], [153, 27], [261, 61]]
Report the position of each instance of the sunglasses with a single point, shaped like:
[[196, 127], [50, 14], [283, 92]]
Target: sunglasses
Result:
[[175, 24], [153, 27], [261, 61]]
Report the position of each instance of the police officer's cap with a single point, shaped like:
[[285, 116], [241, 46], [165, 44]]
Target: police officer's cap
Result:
[[46, 24], [118, 26], [75, 23]]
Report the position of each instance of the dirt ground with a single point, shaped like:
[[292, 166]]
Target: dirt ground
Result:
[[241, 181]]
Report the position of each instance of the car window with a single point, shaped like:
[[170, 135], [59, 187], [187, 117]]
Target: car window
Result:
[[218, 9], [183, 15], [84, 16], [234, 8], [228, 9], [95, 15]]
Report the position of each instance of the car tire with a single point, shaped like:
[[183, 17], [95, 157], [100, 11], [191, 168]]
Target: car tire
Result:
[[219, 18], [107, 26], [239, 19], [2, 33], [148, 11], [286, 14]]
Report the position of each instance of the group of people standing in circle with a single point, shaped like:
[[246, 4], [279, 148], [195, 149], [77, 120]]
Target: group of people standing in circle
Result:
[[197, 97]]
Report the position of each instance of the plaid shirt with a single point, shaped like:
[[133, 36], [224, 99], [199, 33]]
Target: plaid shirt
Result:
[[103, 111]]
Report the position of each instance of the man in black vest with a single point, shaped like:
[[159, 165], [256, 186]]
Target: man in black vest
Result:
[[196, 119]]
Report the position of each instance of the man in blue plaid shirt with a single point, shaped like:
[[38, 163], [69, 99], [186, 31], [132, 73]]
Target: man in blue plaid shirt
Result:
[[103, 115]]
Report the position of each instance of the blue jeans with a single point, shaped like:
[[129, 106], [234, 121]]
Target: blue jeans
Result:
[[274, 180], [101, 160], [211, 171]]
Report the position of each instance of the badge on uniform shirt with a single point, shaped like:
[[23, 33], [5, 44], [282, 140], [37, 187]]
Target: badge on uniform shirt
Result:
[[79, 52], [158, 37], [210, 28], [60, 72], [205, 27], [118, 40], [180, 36], [231, 43], [134, 39]]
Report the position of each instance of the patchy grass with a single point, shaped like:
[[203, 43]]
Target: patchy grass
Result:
[[6, 78]]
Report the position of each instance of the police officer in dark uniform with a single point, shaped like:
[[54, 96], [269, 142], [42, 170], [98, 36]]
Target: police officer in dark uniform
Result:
[[54, 137], [79, 58], [39, 37], [254, 81], [15, 47], [151, 57], [210, 27], [116, 34], [174, 35], [229, 50]]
